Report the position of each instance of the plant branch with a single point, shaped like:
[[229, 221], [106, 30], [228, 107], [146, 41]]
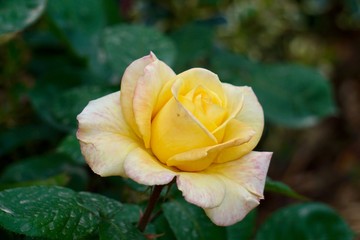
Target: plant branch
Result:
[[144, 220]]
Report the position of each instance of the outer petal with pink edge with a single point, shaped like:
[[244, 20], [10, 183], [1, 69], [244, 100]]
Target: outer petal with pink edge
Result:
[[146, 95], [128, 85], [244, 180], [105, 138], [145, 169], [201, 189]]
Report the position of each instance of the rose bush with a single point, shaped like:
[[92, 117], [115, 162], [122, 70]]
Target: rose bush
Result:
[[189, 126]]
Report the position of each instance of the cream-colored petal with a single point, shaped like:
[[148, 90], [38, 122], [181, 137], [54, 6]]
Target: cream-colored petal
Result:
[[105, 138], [248, 171], [147, 92], [238, 202], [250, 116], [104, 156], [175, 131], [129, 81], [203, 190], [199, 159], [145, 169], [244, 180]]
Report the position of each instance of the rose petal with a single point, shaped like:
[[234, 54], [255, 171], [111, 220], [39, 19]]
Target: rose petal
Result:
[[147, 92], [104, 136], [203, 104], [201, 77], [203, 190], [238, 202], [234, 130], [128, 85], [199, 159], [145, 169], [235, 99], [185, 107], [175, 131], [250, 116], [244, 180], [248, 171]]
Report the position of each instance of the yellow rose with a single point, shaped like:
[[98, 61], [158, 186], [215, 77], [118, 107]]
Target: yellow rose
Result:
[[189, 126]]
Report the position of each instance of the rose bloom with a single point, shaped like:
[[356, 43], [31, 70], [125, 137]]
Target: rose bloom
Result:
[[189, 126]]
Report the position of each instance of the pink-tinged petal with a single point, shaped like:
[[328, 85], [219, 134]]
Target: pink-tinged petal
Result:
[[244, 180], [147, 93], [105, 157], [201, 158], [249, 171], [174, 131], [145, 169], [238, 202], [105, 138], [250, 116], [128, 85], [201, 189]]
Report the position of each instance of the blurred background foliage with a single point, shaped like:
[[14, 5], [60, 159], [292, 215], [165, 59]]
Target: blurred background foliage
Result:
[[300, 56]]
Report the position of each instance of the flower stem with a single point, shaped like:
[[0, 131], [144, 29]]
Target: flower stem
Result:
[[144, 220]]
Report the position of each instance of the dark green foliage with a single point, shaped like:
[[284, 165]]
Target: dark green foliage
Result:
[[60, 213], [291, 95], [57, 55], [305, 221], [282, 188], [125, 43], [18, 14], [190, 222]]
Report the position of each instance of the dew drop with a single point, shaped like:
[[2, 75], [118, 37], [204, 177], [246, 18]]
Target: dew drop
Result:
[[4, 209], [24, 201], [51, 226], [72, 214], [26, 227], [64, 194], [65, 231]]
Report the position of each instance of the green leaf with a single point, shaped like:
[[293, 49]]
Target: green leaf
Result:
[[86, 16], [190, 222], [194, 51], [78, 22], [244, 229], [56, 212], [44, 167], [304, 221], [71, 146], [282, 188], [58, 180], [163, 228], [15, 15], [118, 227], [50, 105], [291, 95], [115, 230], [125, 43], [16, 137]]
